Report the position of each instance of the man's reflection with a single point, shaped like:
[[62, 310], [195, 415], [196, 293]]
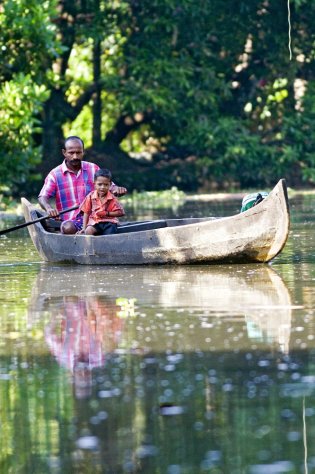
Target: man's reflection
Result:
[[81, 334]]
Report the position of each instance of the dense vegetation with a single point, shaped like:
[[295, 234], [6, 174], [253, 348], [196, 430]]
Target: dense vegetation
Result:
[[199, 93]]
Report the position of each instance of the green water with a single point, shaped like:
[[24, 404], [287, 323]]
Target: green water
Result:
[[159, 370]]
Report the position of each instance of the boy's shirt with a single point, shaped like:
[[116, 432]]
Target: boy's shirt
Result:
[[97, 210]]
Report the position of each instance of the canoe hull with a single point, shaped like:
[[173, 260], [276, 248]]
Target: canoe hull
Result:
[[256, 235]]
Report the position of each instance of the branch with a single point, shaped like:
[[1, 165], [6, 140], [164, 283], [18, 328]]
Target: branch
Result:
[[126, 124], [74, 110]]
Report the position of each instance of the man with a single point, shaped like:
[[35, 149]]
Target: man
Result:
[[69, 183]]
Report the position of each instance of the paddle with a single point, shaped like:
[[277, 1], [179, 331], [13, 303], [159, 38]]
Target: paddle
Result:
[[40, 219]]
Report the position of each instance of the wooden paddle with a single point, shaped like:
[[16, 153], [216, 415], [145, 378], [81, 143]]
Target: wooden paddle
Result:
[[40, 219]]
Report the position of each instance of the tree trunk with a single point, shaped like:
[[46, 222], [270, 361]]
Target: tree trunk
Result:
[[52, 137], [97, 102]]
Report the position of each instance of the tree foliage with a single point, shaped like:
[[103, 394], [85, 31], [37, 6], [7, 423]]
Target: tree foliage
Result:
[[205, 88], [21, 100], [27, 40]]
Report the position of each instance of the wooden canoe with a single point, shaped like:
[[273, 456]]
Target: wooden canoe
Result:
[[256, 235]]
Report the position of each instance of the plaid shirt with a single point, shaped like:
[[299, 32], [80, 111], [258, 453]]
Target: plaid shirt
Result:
[[69, 188]]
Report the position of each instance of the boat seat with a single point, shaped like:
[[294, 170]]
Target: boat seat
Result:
[[137, 226], [51, 225]]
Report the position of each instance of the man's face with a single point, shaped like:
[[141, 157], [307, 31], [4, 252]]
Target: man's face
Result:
[[73, 153]]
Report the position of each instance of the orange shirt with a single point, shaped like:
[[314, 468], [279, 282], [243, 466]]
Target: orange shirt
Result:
[[97, 210]]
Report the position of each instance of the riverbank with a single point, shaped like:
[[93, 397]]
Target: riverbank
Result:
[[162, 199]]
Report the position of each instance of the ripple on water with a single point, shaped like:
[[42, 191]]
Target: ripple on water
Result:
[[279, 467], [88, 442]]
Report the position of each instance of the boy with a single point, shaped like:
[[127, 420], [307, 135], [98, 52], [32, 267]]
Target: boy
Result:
[[100, 207]]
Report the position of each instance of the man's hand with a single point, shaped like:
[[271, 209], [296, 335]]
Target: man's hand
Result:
[[118, 190], [52, 212], [45, 204]]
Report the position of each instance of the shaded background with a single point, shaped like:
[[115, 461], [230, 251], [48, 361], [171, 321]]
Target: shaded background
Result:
[[200, 95]]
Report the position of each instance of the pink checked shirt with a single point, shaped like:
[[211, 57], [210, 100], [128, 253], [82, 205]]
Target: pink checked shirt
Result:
[[75, 338], [69, 188]]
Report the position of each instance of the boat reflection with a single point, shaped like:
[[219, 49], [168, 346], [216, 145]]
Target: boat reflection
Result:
[[252, 299], [259, 295]]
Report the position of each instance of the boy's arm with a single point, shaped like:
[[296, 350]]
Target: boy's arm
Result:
[[85, 221], [116, 209], [118, 213], [86, 208]]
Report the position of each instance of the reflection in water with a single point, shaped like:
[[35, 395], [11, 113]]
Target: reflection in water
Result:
[[185, 370], [84, 329], [248, 298]]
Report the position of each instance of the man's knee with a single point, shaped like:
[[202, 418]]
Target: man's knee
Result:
[[68, 227]]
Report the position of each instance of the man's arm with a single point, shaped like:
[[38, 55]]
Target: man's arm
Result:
[[45, 204], [47, 193]]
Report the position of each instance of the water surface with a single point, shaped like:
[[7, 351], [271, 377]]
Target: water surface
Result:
[[200, 369]]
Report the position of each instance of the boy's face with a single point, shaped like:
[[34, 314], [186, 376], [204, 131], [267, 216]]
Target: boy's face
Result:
[[102, 185]]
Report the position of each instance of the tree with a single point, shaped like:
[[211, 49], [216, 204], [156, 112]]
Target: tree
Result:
[[27, 40], [206, 87]]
